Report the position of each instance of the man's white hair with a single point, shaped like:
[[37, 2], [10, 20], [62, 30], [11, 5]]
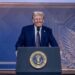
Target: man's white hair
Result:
[[38, 13]]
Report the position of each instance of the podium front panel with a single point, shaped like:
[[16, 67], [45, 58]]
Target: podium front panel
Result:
[[53, 59]]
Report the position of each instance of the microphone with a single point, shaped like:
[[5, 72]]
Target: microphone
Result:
[[38, 28]]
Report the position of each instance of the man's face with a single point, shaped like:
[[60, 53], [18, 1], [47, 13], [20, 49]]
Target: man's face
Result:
[[38, 20]]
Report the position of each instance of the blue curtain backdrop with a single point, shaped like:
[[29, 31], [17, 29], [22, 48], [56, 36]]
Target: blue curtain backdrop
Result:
[[61, 20]]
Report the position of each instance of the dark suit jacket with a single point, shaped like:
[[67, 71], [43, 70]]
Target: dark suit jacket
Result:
[[27, 37]]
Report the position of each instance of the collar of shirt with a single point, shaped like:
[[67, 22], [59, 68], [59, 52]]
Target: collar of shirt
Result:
[[36, 32]]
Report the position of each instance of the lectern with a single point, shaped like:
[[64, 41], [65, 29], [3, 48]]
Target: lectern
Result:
[[38, 61]]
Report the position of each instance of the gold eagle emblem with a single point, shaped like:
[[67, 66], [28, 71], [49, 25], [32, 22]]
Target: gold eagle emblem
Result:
[[38, 59]]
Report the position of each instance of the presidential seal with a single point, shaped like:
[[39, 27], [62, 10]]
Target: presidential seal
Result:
[[38, 59]]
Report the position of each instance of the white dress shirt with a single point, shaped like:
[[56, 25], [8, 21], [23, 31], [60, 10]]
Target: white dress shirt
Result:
[[36, 32]]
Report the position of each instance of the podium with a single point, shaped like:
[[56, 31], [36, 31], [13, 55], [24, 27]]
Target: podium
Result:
[[38, 61]]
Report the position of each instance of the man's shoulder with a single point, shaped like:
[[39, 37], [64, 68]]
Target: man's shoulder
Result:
[[47, 28], [27, 27]]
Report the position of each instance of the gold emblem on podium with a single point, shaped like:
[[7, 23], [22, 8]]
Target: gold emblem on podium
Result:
[[38, 59]]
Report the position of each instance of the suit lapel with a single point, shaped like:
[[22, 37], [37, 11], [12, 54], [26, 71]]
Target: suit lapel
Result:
[[42, 35], [32, 33]]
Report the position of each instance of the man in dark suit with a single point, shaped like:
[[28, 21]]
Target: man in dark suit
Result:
[[36, 35]]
